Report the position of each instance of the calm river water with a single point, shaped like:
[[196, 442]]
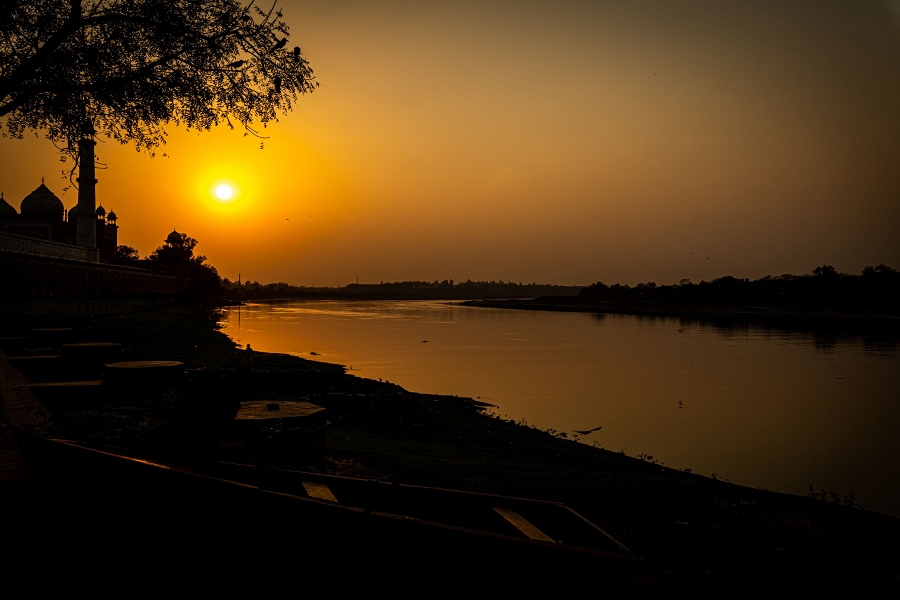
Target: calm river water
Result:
[[758, 406]]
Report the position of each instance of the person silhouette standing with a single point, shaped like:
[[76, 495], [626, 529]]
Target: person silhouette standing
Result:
[[248, 358]]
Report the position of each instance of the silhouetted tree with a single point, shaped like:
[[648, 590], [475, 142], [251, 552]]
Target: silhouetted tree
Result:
[[825, 271], [126, 255], [179, 247], [126, 69], [878, 288], [176, 257], [879, 270]]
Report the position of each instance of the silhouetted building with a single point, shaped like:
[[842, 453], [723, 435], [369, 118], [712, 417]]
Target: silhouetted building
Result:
[[42, 215], [48, 253]]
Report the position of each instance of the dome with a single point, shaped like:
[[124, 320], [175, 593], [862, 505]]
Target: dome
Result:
[[73, 213], [101, 212], [173, 238], [42, 200], [5, 207], [112, 215]]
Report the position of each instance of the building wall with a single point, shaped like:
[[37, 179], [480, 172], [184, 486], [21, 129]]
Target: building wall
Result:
[[22, 244], [29, 276], [56, 229], [107, 241]]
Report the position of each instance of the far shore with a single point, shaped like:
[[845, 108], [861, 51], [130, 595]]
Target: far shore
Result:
[[848, 322], [851, 322]]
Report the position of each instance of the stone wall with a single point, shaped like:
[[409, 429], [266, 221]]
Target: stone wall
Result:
[[29, 276], [21, 244]]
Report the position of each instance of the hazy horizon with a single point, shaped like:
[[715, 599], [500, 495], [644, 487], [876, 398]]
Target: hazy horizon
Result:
[[560, 143]]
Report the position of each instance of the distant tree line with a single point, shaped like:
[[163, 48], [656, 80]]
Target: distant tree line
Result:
[[254, 290], [877, 288], [402, 290]]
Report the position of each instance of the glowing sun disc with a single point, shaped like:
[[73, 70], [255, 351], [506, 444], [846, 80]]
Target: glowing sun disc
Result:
[[224, 192]]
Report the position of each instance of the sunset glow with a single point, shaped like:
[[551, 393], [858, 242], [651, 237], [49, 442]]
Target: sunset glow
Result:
[[629, 148], [498, 273], [224, 192]]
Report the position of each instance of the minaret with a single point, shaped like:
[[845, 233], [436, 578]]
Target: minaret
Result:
[[86, 219]]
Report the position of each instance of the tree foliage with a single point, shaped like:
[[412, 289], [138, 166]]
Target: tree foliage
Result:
[[176, 257], [405, 290], [127, 69], [126, 255], [877, 288], [179, 247]]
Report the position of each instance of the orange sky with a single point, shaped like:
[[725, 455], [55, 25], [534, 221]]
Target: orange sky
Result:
[[563, 142]]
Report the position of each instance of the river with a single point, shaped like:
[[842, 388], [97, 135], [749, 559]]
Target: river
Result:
[[757, 406]]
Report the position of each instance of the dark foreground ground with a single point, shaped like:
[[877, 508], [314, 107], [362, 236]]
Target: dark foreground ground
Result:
[[692, 534]]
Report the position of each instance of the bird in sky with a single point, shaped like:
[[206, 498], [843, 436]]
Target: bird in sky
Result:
[[279, 45]]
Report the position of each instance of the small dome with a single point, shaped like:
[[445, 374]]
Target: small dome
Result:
[[5, 207], [73, 213], [112, 215], [42, 200], [173, 238], [101, 212]]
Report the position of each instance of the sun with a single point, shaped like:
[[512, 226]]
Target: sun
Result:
[[224, 192]]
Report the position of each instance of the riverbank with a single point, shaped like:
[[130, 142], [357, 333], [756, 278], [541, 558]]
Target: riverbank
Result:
[[840, 322], [690, 532]]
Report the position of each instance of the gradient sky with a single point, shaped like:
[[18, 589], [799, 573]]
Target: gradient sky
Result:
[[564, 142]]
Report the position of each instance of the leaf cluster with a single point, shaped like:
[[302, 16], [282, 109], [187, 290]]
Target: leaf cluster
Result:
[[127, 255], [127, 69]]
